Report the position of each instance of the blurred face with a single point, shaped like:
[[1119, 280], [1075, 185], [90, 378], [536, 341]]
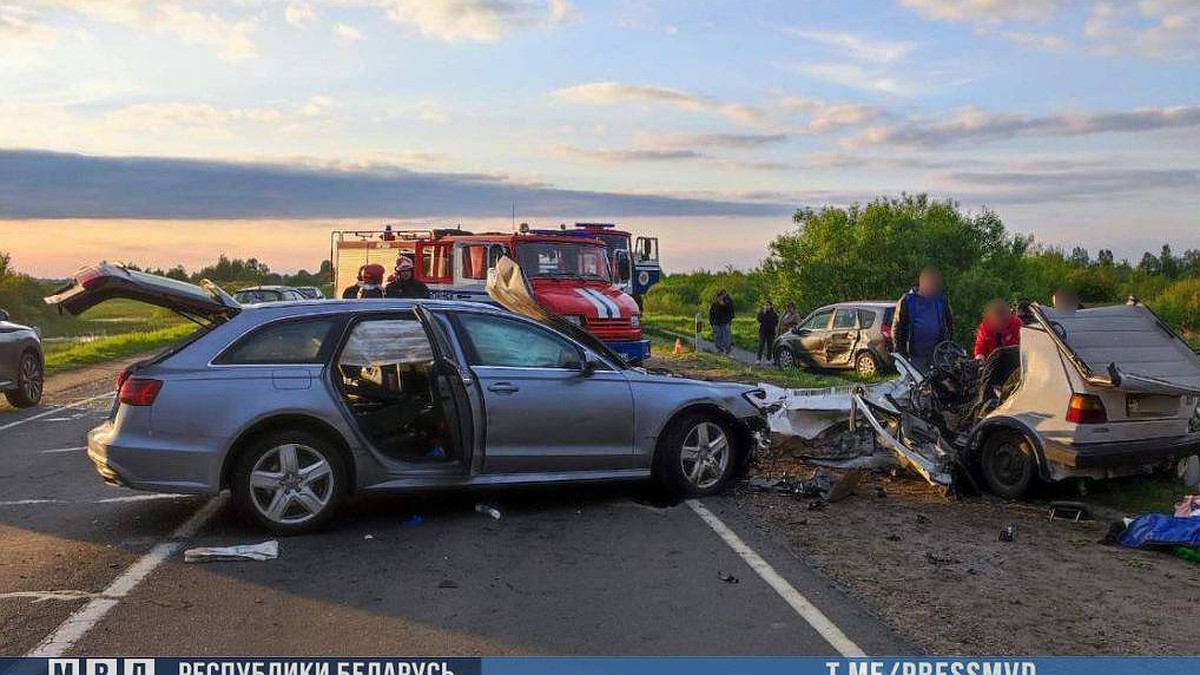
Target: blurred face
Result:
[[929, 283], [404, 273], [998, 317], [1066, 302]]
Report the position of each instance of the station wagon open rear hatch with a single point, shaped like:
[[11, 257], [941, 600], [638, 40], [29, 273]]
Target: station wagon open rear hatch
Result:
[[1124, 346], [92, 285]]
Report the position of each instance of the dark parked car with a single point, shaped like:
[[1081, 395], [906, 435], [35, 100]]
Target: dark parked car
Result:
[[259, 294], [855, 335], [22, 368]]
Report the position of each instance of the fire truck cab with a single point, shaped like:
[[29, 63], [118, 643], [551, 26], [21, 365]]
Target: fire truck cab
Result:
[[633, 261], [569, 275]]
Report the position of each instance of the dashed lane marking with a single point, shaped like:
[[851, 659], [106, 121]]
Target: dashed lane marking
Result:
[[54, 411]]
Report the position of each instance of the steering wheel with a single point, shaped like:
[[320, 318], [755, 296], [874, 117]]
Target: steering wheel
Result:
[[946, 355]]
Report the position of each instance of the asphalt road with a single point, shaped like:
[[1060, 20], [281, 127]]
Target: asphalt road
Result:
[[565, 571]]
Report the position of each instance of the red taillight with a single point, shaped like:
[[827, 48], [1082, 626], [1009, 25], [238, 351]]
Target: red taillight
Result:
[[886, 329], [140, 391], [121, 377], [1086, 409]]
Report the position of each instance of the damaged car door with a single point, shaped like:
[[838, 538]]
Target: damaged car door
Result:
[[811, 337], [549, 404], [843, 337]]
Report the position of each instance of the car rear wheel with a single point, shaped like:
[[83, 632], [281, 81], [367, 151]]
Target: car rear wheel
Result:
[[1008, 464], [697, 456], [289, 482], [866, 364], [31, 377], [785, 358]]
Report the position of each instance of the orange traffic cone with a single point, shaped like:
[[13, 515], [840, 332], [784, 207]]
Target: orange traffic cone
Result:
[[678, 347]]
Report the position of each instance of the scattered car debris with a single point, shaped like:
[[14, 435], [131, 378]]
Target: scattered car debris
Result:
[[727, 578], [1008, 534], [368, 537], [1189, 471], [1188, 507], [268, 550], [488, 510], [413, 521], [1073, 511]]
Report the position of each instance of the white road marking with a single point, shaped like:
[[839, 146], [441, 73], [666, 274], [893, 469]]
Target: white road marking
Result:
[[107, 500], [56, 451], [54, 411], [46, 596], [79, 623], [807, 611]]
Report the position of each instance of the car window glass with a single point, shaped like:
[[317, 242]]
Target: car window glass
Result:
[[866, 318], [496, 341], [386, 342], [844, 318], [287, 342], [818, 321]]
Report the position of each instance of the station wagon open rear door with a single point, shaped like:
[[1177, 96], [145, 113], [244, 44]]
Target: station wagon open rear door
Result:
[[93, 285]]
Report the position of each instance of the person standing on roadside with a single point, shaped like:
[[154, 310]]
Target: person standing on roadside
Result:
[[720, 317], [403, 284], [923, 320], [789, 320], [768, 323]]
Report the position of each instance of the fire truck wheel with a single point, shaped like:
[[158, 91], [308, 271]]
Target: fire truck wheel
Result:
[[696, 457]]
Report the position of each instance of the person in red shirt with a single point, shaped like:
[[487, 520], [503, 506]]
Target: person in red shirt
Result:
[[999, 328]]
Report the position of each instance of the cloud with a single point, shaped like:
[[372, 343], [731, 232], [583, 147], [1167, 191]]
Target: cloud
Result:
[[631, 155], [56, 185], [299, 15], [18, 24], [347, 32], [475, 20], [1037, 40], [986, 11], [823, 116], [612, 93], [856, 77], [233, 39], [857, 47], [1159, 28], [733, 141], [974, 126], [431, 112], [1031, 187]]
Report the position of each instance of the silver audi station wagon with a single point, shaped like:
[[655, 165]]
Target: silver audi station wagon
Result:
[[293, 406]]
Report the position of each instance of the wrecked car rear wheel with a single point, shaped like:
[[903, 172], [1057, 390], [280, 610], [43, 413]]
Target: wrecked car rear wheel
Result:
[[866, 365], [1007, 463], [289, 482], [697, 456]]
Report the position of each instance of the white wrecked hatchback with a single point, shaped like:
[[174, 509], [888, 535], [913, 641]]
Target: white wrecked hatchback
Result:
[[1095, 393]]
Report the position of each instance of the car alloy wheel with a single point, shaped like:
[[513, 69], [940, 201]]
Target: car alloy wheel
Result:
[[865, 365], [31, 378], [785, 358], [705, 455], [291, 484]]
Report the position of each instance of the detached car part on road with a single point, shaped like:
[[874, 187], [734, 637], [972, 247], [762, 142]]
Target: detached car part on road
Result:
[[22, 364], [1095, 393], [293, 406]]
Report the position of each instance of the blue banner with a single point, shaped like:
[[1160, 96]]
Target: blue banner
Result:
[[604, 666]]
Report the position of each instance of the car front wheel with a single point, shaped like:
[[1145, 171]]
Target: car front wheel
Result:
[[1008, 464], [31, 377], [289, 482], [697, 456], [785, 358]]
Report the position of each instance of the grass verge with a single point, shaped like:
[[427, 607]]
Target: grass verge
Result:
[[61, 356], [707, 366]]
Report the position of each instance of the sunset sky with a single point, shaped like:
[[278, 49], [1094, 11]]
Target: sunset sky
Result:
[[171, 130]]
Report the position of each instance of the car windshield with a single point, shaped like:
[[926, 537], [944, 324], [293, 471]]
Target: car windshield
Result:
[[561, 259]]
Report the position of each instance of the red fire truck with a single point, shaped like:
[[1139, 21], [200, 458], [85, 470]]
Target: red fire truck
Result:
[[568, 275]]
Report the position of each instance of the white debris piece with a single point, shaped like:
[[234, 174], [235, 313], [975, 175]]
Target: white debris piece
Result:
[[268, 550]]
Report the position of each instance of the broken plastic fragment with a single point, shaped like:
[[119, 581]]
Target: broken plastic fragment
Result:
[[268, 550]]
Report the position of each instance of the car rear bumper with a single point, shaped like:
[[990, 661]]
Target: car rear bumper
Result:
[[633, 351], [145, 466], [1103, 455]]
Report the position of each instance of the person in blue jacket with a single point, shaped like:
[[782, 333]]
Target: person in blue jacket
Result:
[[922, 320]]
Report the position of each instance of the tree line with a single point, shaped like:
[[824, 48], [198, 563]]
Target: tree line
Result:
[[874, 251]]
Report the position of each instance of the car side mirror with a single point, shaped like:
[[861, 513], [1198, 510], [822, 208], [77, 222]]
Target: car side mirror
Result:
[[588, 366], [3, 315]]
